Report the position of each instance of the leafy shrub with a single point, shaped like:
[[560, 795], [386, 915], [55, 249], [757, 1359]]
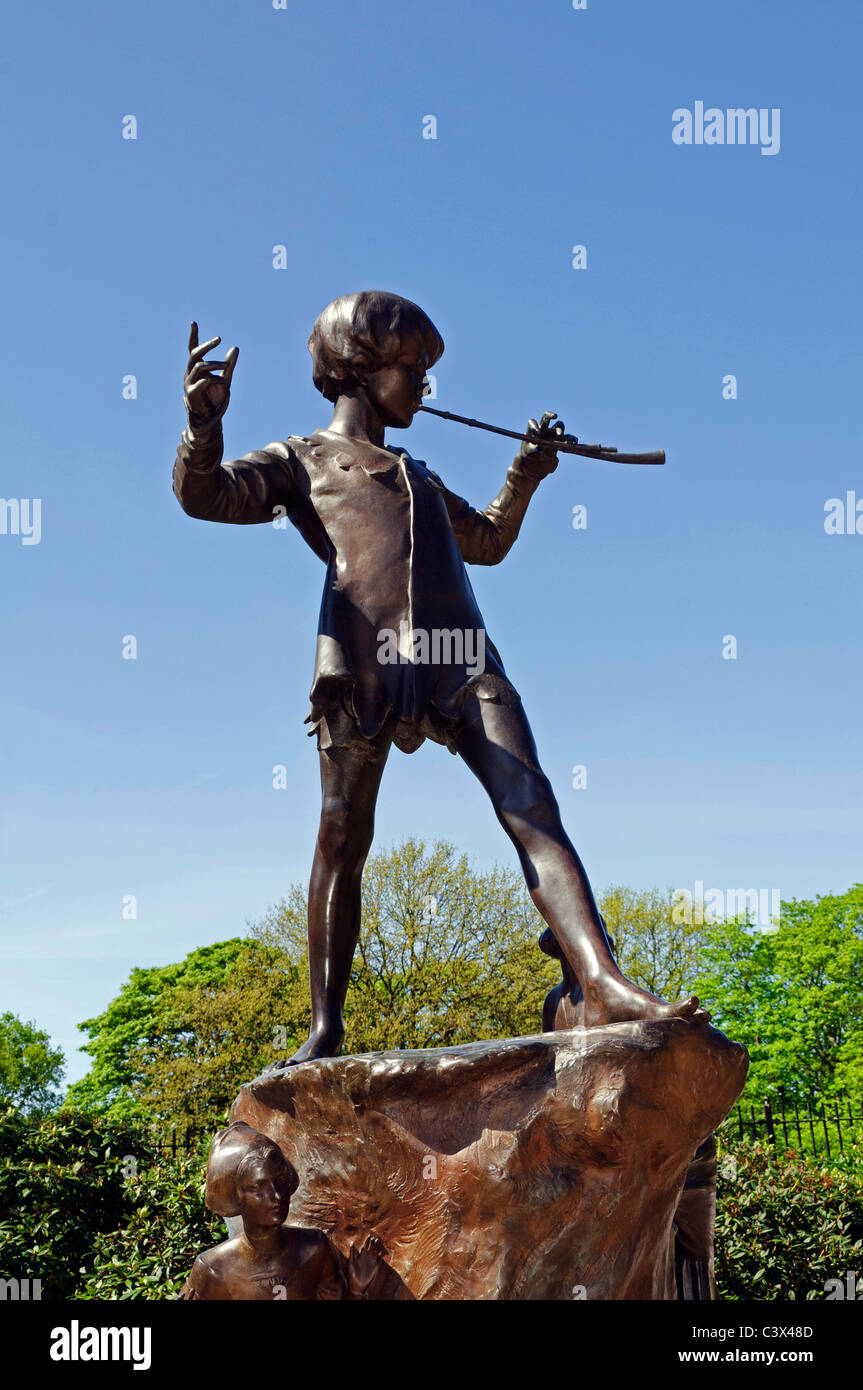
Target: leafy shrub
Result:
[[73, 1215], [168, 1226], [786, 1223], [61, 1182]]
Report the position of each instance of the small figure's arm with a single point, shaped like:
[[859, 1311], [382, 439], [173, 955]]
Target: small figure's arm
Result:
[[204, 1283], [485, 537], [247, 491]]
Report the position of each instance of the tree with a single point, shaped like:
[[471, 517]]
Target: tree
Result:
[[232, 1028], [144, 1015], [654, 949], [794, 996], [446, 955], [30, 1068]]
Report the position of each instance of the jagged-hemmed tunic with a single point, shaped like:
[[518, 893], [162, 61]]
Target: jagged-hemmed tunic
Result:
[[395, 542]]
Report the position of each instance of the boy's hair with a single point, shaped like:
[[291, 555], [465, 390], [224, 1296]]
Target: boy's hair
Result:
[[360, 333]]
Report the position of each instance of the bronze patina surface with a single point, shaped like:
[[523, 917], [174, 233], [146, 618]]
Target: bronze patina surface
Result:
[[395, 541]]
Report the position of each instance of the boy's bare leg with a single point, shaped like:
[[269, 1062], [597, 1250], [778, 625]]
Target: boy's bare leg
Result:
[[497, 745], [350, 778]]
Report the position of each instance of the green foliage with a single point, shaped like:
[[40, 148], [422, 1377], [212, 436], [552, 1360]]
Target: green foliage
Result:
[[651, 946], [793, 996], [90, 1223], [61, 1183], [446, 955], [144, 1016], [167, 1228], [783, 1228], [30, 1068], [257, 1013]]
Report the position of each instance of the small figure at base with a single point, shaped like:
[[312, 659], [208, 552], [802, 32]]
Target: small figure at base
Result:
[[249, 1176]]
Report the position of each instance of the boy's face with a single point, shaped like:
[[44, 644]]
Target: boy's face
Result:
[[264, 1190], [396, 391]]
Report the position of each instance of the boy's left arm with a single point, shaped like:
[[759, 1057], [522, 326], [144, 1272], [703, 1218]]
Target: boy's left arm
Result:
[[485, 537]]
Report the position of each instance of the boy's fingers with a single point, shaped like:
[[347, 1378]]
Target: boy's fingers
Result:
[[200, 367], [230, 363], [198, 352], [202, 372], [193, 336], [198, 388]]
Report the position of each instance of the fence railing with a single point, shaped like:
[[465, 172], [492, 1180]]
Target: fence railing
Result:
[[813, 1126], [170, 1143]]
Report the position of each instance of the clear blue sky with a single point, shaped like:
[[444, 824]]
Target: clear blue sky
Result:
[[304, 127]]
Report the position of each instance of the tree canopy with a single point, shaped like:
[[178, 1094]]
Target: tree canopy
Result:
[[31, 1070], [448, 954], [793, 996], [145, 1015]]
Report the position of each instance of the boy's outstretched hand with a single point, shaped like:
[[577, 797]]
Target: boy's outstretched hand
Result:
[[541, 458], [207, 394]]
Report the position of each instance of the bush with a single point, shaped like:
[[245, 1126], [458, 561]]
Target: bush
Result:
[[168, 1227], [786, 1223], [85, 1208], [61, 1183]]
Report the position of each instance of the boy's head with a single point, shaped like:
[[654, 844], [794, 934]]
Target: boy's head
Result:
[[374, 338]]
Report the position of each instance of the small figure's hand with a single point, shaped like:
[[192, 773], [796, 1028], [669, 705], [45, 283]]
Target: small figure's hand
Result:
[[363, 1264], [207, 394], [540, 458]]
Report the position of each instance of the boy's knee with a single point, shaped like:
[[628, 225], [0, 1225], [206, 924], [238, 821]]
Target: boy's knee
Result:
[[344, 837], [529, 800]]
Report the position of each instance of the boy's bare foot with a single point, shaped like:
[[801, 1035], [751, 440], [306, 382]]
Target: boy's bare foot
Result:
[[614, 999], [321, 1042]]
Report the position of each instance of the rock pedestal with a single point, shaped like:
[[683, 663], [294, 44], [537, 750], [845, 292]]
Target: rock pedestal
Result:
[[546, 1167]]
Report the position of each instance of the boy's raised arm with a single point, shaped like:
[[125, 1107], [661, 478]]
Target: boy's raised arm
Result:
[[244, 491], [485, 537]]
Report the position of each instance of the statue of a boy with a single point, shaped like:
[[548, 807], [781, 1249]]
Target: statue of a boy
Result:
[[249, 1176], [395, 542]]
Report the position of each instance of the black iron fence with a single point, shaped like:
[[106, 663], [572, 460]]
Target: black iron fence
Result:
[[822, 1127], [168, 1143]]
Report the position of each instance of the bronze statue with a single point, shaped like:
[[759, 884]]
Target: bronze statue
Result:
[[692, 1228], [249, 1176], [395, 541]]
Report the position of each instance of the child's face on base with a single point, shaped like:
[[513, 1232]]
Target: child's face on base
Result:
[[395, 391], [264, 1190]]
